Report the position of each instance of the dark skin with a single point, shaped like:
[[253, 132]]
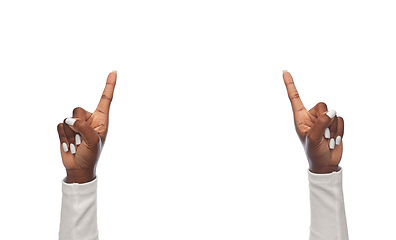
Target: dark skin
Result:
[[92, 127], [311, 126]]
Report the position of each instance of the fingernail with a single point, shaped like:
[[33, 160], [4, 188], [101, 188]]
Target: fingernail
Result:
[[72, 148], [327, 133], [284, 71], [332, 143], [70, 121], [114, 71], [65, 148], [338, 140], [78, 139], [331, 113]]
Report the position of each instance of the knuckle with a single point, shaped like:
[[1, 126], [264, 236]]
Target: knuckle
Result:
[[322, 104], [323, 120], [294, 95], [79, 124], [107, 98], [77, 109], [95, 140], [341, 124]]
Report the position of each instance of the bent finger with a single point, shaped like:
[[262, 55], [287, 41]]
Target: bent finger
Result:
[[340, 130], [81, 114], [88, 134], [70, 135], [316, 133], [333, 133], [333, 128], [62, 138], [319, 109]]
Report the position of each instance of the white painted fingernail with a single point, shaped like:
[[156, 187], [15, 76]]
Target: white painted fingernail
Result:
[[331, 113], [338, 140], [327, 133], [114, 71], [78, 139], [65, 148], [284, 71], [72, 148], [332, 143], [70, 121]]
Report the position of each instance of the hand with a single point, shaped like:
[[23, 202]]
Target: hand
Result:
[[83, 136], [319, 130]]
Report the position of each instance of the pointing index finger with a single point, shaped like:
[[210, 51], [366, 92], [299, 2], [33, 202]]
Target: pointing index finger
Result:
[[292, 92], [107, 96]]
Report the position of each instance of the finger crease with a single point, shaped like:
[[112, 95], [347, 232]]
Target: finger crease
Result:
[[98, 127], [294, 96], [107, 98], [101, 111]]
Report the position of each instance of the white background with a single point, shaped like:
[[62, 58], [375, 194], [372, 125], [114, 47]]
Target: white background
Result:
[[201, 143]]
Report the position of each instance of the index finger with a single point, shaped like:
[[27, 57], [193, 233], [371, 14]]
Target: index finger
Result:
[[294, 97], [107, 96]]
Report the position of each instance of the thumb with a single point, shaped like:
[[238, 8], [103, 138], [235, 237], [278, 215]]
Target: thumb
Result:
[[316, 133], [89, 135]]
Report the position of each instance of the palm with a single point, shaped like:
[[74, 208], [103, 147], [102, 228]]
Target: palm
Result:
[[79, 160], [304, 121], [98, 121]]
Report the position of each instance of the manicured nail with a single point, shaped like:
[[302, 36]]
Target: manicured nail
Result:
[[72, 148], [332, 143], [327, 133], [70, 121], [78, 139], [331, 113], [338, 140], [65, 148], [114, 71], [284, 71]]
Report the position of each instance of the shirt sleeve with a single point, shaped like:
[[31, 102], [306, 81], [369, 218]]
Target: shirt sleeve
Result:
[[328, 219], [79, 211]]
